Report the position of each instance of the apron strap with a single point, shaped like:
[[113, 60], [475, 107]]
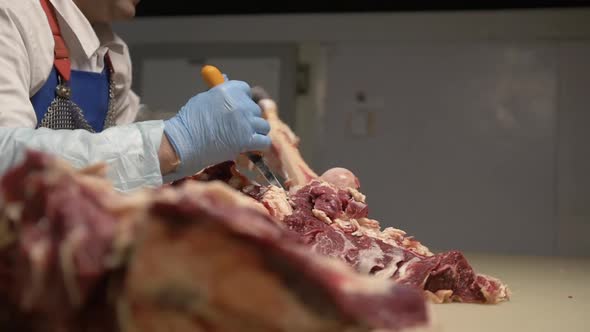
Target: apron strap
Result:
[[61, 60], [109, 63]]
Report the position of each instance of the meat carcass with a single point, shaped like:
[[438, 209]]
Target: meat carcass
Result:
[[331, 217], [75, 255]]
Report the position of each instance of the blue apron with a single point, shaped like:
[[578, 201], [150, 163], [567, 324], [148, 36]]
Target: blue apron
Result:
[[90, 91]]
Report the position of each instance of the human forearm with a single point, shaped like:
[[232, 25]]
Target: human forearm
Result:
[[131, 151], [169, 160]]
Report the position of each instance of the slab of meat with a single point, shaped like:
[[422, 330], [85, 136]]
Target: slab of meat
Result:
[[75, 255], [334, 222], [248, 274], [331, 217]]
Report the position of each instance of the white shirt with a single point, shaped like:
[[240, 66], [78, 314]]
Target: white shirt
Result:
[[26, 57]]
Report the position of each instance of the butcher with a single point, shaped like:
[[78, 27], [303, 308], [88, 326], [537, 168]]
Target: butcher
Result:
[[65, 88]]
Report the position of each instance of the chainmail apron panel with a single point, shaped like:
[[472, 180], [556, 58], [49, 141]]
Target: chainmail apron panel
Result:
[[63, 113]]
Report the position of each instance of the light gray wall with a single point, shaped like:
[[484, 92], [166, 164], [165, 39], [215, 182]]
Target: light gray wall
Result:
[[573, 149], [166, 76], [462, 149], [480, 138], [519, 24]]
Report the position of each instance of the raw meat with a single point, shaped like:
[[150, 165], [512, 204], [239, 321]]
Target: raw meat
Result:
[[248, 274], [341, 178], [58, 235], [331, 216], [75, 255]]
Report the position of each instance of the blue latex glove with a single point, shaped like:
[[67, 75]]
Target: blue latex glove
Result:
[[216, 126]]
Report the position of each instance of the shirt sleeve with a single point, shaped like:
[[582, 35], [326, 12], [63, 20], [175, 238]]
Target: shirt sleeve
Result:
[[130, 151], [15, 76]]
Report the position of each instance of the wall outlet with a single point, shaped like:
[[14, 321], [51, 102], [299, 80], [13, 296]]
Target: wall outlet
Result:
[[361, 120]]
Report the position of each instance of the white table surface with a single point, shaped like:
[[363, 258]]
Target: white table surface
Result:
[[541, 290]]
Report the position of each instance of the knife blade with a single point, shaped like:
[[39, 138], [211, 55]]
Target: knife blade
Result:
[[263, 169], [212, 76]]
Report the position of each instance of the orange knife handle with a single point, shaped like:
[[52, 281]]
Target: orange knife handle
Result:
[[212, 76]]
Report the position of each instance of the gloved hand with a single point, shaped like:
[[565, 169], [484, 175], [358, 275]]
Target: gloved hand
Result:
[[216, 126]]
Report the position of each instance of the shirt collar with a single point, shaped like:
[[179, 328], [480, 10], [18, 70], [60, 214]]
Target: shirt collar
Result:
[[77, 25]]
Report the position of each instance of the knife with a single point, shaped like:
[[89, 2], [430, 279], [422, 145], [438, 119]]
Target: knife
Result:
[[213, 77]]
